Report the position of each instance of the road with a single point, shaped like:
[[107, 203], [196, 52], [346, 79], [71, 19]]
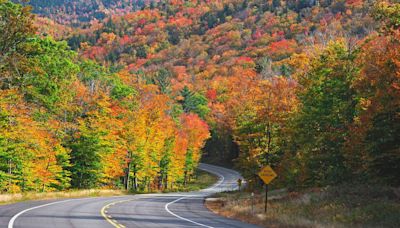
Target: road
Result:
[[147, 210]]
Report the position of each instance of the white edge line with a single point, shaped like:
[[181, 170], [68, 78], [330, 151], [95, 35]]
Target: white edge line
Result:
[[222, 178], [182, 218], [11, 222]]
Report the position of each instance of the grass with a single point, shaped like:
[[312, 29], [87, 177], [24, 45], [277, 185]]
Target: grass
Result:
[[339, 206], [18, 197], [202, 180]]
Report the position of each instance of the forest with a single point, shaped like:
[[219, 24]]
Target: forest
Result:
[[135, 98]]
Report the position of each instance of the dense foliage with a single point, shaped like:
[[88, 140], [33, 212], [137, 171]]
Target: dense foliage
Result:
[[310, 87], [67, 122], [76, 12]]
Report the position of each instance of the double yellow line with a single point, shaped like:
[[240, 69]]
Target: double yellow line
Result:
[[108, 218]]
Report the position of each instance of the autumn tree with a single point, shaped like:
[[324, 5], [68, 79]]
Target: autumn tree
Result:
[[196, 131], [31, 156], [373, 148], [327, 109]]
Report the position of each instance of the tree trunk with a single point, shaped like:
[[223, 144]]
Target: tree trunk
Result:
[[185, 179], [148, 184], [127, 176], [134, 178], [166, 181]]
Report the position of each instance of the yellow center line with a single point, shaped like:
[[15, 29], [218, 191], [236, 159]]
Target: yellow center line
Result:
[[108, 218]]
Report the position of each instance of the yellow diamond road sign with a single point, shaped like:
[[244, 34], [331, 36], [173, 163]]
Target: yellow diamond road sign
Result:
[[267, 174]]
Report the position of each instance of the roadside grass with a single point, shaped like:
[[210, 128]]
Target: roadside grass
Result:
[[202, 180], [18, 197], [339, 206]]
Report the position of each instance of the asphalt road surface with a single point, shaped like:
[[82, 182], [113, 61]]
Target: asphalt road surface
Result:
[[148, 210]]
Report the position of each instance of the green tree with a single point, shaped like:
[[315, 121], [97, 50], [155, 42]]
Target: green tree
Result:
[[326, 111], [141, 52], [54, 70], [16, 26], [166, 162], [189, 165], [210, 19], [86, 158], [174, 35], [194, 102], [276, 3], [162, 78]]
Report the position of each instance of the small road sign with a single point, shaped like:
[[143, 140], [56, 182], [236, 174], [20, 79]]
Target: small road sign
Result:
[[267, 174]]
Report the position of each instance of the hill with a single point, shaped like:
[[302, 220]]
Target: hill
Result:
[[206, 46], [77, 12], [308, 87]]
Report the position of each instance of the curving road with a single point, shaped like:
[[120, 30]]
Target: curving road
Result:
[[150, 210]]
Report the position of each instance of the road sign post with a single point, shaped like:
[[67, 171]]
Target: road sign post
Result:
[[267, 174], [239, 181], [252, 203], [266, 198]]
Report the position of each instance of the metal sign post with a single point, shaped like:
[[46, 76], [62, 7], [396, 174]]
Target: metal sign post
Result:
[[266, 198], [252, 203]]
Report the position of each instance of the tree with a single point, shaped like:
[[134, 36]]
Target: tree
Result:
[[98, 153], [85, 157], [211, 19], [162, 78], [196, 131], [276, 3], [16, 24], [54, 71], [327, 109], [388, 14], [174, 35], [31, 156], [194, 102], [166, 162], [373, 148], [141, 52]]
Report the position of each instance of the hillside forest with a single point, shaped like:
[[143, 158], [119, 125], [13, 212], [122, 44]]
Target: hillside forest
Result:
[[134, 94]]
